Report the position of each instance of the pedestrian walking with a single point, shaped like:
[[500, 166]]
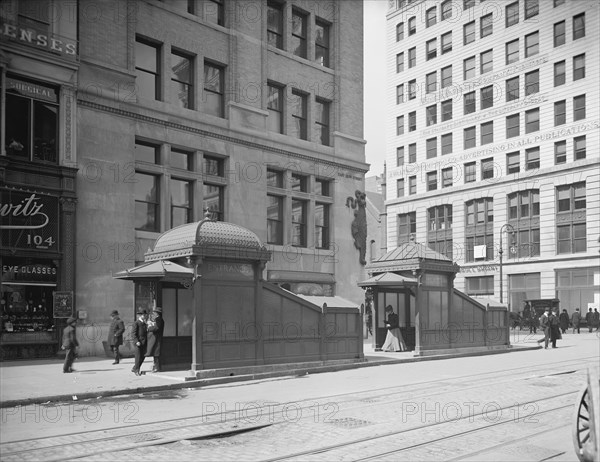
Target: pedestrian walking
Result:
[[393, 340], [139, 332], [554, 323], [545, 326], [563, 320], [589, 319], [156, 327], [69, 343], [576, 320], [534, 322], [596, 319], [115, 335]]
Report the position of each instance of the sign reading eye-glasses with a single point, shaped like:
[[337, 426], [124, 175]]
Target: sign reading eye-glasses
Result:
[[28, 220]]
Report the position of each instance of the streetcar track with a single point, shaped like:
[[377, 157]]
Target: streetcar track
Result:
[[354, 395], [370, 438], [523, 438], [460, 434], [456, 382]]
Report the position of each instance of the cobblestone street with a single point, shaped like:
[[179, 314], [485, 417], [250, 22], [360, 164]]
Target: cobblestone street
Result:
[[502, 407]]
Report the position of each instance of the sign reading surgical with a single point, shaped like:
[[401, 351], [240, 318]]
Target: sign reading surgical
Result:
[[28, 220]]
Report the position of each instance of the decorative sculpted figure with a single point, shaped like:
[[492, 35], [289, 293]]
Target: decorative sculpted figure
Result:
[[359, 224]]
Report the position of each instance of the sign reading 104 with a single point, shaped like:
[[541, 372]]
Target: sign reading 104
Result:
[[28, 220]]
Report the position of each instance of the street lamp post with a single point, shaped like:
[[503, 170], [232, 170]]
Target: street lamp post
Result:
[[501, 251]]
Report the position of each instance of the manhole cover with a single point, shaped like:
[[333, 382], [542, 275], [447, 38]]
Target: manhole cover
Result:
[[544, 384], [349, 422], [535, 452], [370, 400], [141, 437]]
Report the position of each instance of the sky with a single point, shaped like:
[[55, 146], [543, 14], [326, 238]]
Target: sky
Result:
[[374, 83]]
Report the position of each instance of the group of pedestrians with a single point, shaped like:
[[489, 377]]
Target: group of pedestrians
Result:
[[550, 324], [554, 324], [147, 333]]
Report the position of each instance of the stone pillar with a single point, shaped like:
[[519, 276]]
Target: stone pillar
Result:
[[67, 244]]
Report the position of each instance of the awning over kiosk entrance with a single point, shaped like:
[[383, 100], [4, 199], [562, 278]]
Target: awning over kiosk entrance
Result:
[[164, 270], [388, 279]]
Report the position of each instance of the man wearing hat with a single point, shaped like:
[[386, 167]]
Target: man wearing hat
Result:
[[545, 325], [69, 343], [115, 334], [139, 332], [156, 326]]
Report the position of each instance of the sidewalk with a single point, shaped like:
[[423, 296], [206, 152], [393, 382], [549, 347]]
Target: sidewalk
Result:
[[42, 381]]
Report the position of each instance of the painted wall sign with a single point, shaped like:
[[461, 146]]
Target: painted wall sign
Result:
[[31, 90], [459, 157], [35, 272], [24, 33], [479, 269], [28, 220], [227, 271]]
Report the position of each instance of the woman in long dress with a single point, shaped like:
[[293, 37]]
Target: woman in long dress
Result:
[[393, 340]]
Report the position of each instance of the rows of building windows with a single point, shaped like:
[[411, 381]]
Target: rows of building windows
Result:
[[212, 11], [574, 287], [309, 118], [298, 209], [299, 27], [516, 161], [170, 177], [491, 93], [531, 43], [523, 209], [181, 85], [293, 38], [513, 126], [449, 8]]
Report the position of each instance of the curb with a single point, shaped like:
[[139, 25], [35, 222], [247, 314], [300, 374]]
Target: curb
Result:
[[199, 383]]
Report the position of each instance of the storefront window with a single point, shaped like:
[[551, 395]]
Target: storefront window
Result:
[[178, 312], [26, 295], [31, 120], [523, 287], [575, 288], [145, 295]]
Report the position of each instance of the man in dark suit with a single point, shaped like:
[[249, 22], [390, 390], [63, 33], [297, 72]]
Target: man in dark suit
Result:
[[69, 343], [115, 335], [156, 327], [545, 325], [139, 333]]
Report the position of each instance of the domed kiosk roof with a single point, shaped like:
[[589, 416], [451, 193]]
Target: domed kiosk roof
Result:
[[411, 256], [208, 238]]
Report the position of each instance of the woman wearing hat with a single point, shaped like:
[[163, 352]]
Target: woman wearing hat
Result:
[[69, 343], [156, 327], [115, 334], [393, 340]]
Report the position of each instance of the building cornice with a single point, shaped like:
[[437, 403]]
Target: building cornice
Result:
[[219, 136]]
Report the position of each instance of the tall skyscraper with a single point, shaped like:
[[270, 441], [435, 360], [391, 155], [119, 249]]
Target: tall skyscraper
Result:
[[492, 144]]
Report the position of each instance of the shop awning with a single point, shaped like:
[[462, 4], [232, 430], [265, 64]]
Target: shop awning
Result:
[[389, 280], [163, 269]]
